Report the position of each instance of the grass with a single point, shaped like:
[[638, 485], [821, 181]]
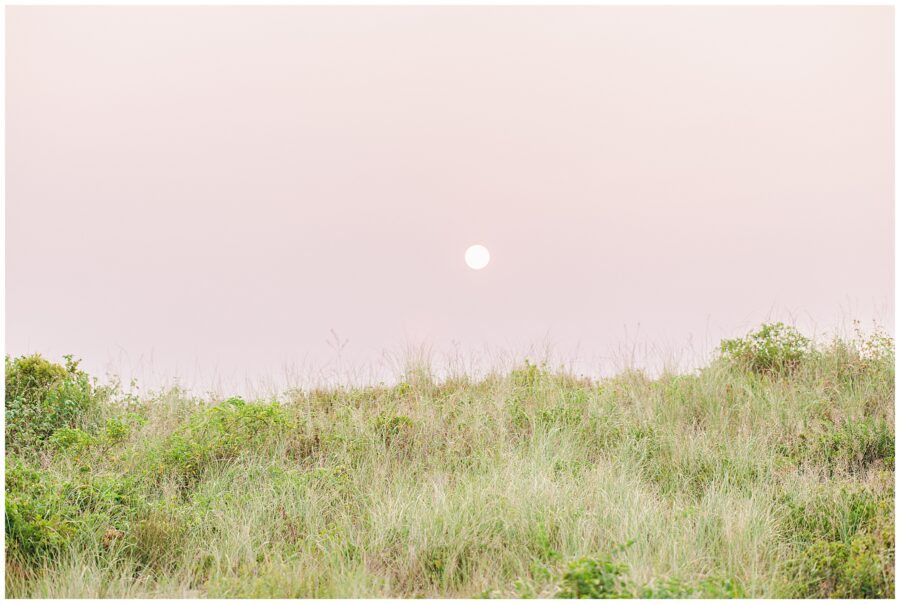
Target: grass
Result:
[[768, 473]]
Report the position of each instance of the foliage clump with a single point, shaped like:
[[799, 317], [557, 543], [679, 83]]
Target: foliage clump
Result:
[[845, 546], [775, 348], [604, 578], [42, 397], [46, 512], [595, 578], [852, 445], [71, 439], [223, 433], [390, 427], [37, 518], [529, 375], [861, 567]]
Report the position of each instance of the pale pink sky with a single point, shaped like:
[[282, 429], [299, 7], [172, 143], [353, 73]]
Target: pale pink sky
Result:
[[217, 188]]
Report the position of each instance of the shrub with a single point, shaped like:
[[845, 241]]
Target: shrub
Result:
[[222, 433], [38, 520], [595, 578], [44, 513], [774, 349], [530, 375], [116, 430], [876, 350], [857, 444], [711, 587], [851, 557], [71, 439], [390, 427], [42, 397], [849, 446], [833, 569]]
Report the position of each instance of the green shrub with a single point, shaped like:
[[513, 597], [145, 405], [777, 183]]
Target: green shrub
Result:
[[113, 497], [222, 433], [711, 587], [849, 446], [856, 445], [37, 520], [116, 430], [44, 513], [596, 578], [42, 397], [390, 427], [71, 439], [591, 578], [833, 569], [775, 348], [559, 416], [832, 516], [845, 552], [530, 375]]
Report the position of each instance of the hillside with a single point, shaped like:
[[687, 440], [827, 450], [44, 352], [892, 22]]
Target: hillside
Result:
[[768, 473]]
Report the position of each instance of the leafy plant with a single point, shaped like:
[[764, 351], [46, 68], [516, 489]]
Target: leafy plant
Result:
[[530, 375], [116, 430], [846, 547], [390, 427], [592, 578], [849, 446], [222, 433], [834, 569], [710, 587], [38, 520], [71, 439], [42, 397], [775, 348]]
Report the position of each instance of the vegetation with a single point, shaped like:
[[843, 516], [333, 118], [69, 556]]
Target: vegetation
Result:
[[768, 473]]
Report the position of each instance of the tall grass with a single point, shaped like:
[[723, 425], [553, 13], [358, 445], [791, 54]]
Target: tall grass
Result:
[[741, 479]]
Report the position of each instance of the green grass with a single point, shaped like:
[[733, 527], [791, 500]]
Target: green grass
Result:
[[769, 473]]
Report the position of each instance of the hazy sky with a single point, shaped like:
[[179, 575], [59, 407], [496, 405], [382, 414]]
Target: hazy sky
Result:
[[210, 191]]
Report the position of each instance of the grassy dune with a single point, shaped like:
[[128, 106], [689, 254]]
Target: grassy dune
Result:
[[769, 473]]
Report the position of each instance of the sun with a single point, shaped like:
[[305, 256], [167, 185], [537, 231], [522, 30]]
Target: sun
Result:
[[477, 257]]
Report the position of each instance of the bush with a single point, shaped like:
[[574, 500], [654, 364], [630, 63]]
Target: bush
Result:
[[71, 439], [45, 512], [861, 569], [832, 516], [591, 578], [389, 428], [851, 556], [858, 444], [222, 433], [775, 348], [601, 578], [707, 588], [116, 430], [38, 519], [850, 446], [530, 375], [42, 397]]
